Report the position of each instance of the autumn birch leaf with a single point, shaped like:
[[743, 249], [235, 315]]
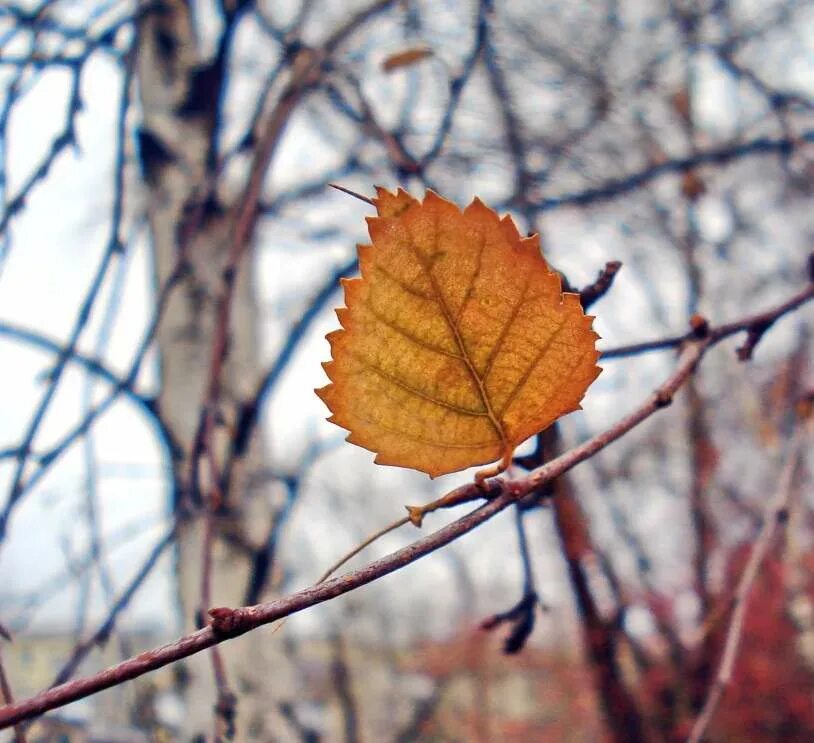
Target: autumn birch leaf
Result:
[[457, 342]]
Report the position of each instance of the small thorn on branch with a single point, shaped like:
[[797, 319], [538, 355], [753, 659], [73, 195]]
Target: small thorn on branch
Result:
[[353, 193], [595, 291]]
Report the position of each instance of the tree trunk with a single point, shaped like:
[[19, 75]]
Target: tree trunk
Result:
[[190, 233]]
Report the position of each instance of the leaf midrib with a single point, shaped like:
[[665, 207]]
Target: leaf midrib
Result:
[[493, 419]]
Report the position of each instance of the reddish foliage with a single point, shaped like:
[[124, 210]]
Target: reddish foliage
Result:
[[771, 696], [537, 695]]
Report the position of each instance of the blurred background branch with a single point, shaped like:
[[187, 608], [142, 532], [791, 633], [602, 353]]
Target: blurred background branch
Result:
[[170, 252]]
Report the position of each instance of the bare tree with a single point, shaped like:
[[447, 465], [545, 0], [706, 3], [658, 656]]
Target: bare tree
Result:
[[665, 146]]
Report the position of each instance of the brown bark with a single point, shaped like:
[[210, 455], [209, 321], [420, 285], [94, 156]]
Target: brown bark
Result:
[[622, 716], [190, 241]]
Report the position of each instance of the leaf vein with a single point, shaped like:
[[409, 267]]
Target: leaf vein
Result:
[[507, 326], [524, 377], [402, 285], [474, 279], [417, 392], [407, 334], [493, 419], [429, 442]]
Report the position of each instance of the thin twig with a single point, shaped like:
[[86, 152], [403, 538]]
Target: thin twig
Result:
[[8, 698], [353, 193], [100, 636], [616, 187], [26, 604], [598, 288], [90, 364], [112, 249], [243, 222], [348, 556], [523, 614], [718, 332], [359, 547], [774, 516], [228, 623]]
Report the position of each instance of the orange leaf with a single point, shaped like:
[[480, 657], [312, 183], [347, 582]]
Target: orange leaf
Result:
[[457, 342], [405, 58]]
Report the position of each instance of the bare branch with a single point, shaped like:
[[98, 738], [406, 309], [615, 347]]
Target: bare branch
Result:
[[601, 285], [229, 623], [8, 698], [616, 187], [774, 516], [112, 249], [92, 365], [718, 332], [101, 635]]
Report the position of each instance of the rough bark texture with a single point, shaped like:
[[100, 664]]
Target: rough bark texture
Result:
[[180, 98]]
